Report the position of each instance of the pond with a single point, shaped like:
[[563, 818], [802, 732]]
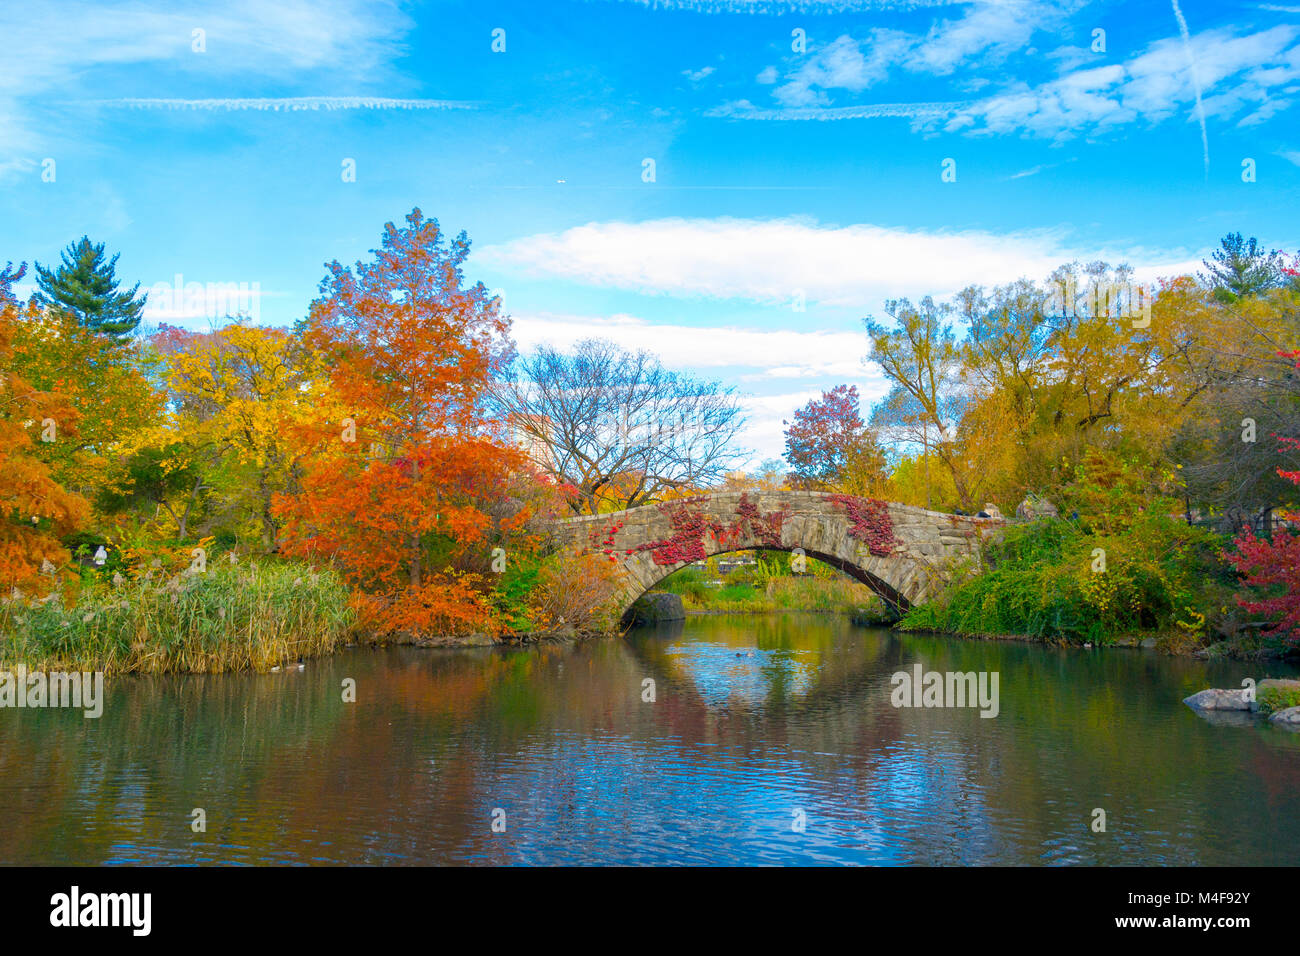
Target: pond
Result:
[[750, 739]]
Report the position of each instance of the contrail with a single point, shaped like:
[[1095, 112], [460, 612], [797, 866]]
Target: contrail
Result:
[[825, 114], [287, 103], [1196, 85], [791, 6]]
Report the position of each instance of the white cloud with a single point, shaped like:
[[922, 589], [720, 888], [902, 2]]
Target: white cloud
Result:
[[1243, 77], [696, 75], [1196, 82], [49, 43], [843, 64], [763, 432], [987, 32], [772, 261], [16, 166], [744, 109], [769, 354], [1235, 71]]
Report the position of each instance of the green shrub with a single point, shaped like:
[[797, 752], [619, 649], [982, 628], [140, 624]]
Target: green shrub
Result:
[[1160, 575], [1273, 699], [737, 592], [513, 594]]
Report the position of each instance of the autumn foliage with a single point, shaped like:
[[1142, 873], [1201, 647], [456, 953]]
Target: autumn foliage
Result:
[[37, 510], [829, 445], [373, 437], [1273, 566], [401, 470]]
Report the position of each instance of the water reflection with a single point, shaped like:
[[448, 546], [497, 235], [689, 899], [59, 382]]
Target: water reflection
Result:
[[713, 770]]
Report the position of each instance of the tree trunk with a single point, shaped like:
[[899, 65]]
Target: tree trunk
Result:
[[414, 542]]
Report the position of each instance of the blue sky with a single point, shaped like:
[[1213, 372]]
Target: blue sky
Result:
[[784, 172]]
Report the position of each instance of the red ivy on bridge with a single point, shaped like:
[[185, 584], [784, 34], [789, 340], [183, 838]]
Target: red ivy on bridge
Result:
[[752, 522], [869, 522], [689, 525]]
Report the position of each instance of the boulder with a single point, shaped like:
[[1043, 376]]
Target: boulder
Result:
[[1213, 699], [1289, 718], [992, 510], [1280, 683], [1032, 508]]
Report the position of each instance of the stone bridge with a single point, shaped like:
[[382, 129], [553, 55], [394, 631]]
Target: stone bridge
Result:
[[903, 553]]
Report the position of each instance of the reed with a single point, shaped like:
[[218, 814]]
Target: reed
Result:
[[248, 617]]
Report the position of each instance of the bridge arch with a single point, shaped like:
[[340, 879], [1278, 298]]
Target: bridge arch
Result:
[[903, 553], [882, 588]]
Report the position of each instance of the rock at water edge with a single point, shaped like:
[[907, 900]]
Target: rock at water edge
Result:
[[1214, 699]]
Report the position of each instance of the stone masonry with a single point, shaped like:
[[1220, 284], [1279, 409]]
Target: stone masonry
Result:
[[903, 553]]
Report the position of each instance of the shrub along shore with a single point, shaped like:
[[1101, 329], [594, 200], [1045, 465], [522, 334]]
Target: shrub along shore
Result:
[[258, 614], [1154, 580]]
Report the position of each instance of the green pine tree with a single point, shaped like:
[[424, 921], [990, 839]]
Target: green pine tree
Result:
[[1241, 268], [8, 276], [86, 286]]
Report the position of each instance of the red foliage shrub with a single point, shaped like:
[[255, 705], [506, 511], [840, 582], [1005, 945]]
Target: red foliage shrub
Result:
[[1274, 566]]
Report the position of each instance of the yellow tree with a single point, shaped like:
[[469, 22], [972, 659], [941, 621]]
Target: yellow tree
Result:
[[1062, 372], [106, 383], [918, 353], [244, 388]]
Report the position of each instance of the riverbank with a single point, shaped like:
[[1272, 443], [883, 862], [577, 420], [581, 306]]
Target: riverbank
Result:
[[263, 615], [1174, 644]]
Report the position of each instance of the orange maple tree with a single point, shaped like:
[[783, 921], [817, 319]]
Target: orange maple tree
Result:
[[403, 472], [37, 510]]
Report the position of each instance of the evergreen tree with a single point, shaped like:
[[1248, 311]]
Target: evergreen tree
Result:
[[1241, 268], [8, 276], [85, 285]]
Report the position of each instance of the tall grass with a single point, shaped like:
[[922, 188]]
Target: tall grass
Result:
[[249, 617], [752, 590]]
